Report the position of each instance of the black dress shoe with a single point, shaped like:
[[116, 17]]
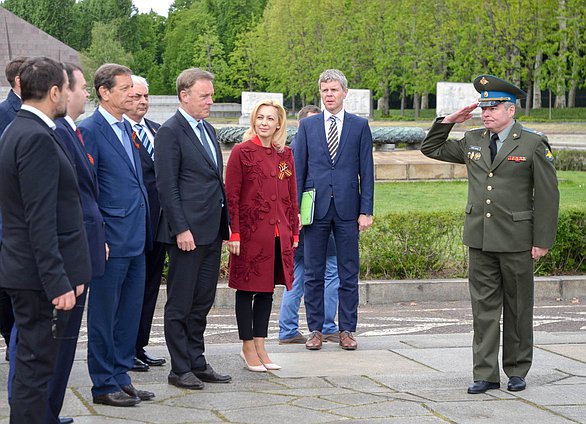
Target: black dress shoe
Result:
[[210, 376], [139, 366], [65, 420], [185, 381], [482, 386], [117, 399], [150, 360], [141, 394], [516, 384]]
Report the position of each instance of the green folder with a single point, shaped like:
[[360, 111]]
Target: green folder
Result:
[[307, 206]]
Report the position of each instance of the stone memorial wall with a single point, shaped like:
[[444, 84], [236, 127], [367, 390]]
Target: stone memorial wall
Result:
[[250, 98], [452, 96]]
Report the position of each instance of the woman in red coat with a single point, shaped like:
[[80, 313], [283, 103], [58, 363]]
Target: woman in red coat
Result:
[[262, 200]]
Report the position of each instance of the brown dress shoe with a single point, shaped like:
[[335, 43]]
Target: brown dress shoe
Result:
[[297, 339], [314, 341], [141, 394], [116, 399], [347, 341]]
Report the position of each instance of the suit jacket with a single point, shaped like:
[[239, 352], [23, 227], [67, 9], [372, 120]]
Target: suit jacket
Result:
[[148, 177], [513, 202], [123, 198], [88, 190], [191, 187], [45, 245], [349, 179], [8, 109]]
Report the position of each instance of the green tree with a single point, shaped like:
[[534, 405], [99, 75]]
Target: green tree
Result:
[[105, 48]]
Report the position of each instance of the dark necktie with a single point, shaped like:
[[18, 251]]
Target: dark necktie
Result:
[[145, 140], [333, 138], [126, 142], [492, 146], [204, 142], [78, 132]]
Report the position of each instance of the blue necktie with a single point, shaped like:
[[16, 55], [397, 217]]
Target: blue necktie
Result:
[[144, 138], [204, 141], [126, 142]]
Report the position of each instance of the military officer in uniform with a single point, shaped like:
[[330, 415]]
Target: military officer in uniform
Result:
[[511, 221]]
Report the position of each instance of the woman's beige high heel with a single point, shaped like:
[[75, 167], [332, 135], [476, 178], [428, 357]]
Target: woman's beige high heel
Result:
[[253, 368], [271, 366]]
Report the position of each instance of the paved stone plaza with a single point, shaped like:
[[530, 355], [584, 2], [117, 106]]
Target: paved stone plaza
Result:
[[397, 378]]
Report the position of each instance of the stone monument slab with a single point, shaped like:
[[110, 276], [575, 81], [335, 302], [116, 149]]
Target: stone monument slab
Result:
[[452, 96], [359, 102], [250, 98]]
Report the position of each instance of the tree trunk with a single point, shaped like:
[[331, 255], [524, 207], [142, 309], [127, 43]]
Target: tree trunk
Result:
[[537, 80], [560, 98], [425, 101], [386, 96], [403, 101], [292, 104], [416, 107]]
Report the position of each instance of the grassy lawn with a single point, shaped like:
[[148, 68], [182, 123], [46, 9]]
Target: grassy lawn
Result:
[[404, 196]]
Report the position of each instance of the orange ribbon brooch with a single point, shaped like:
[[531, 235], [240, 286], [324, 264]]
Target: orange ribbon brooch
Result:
[[284, 170]]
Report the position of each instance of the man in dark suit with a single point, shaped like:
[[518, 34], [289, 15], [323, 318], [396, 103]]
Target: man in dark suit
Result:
[[8, 110], [193, 224], [44, 260], [144, 131], [511, 222], [116, 296], [333, 154], [94, 227], [10, 106]]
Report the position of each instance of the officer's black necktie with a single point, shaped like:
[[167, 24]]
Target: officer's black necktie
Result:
[[492, 146]]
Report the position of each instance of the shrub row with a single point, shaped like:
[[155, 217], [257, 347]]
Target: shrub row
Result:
[[428, 245], [420, 245], [570, 160]]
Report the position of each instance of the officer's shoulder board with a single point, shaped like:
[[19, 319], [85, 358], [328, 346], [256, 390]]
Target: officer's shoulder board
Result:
[[543, 139]]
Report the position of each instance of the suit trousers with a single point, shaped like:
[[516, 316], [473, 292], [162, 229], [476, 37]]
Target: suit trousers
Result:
[[191, 290], [36, 354], [289, 312], [315, 251], [114, 300], [501, 283], [65, 357], [6, 316], [155, 262]]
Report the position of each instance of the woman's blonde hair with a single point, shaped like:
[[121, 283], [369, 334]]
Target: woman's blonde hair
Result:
[[280, 135]]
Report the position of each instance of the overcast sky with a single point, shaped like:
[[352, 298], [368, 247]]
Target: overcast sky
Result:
[[159, 6]]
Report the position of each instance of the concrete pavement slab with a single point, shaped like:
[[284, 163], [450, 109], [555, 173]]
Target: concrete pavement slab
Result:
[[572, 351], [497, 411], [278, 414], [577, 413], [359, 362], [388, 409]]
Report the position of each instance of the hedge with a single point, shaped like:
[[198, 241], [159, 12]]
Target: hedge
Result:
[[428, 245]]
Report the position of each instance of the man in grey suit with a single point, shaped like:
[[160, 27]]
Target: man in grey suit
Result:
[[194, 222]]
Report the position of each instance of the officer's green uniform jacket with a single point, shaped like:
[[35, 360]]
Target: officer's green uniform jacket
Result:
[[512, 203]]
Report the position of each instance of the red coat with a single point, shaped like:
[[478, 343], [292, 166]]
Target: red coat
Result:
[[262, 194]]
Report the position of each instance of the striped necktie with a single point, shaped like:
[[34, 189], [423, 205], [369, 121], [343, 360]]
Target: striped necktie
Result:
[[333, 138], [145, 140]]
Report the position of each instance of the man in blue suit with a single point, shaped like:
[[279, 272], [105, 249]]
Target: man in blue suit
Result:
[[116, 297], [333, 154], [8, 109], [68, 132], [10, 106]]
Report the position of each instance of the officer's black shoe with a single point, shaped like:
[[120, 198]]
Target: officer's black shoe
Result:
[[139, 366], [482, 386], [65, 420], [150, 360], [516, 384]]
